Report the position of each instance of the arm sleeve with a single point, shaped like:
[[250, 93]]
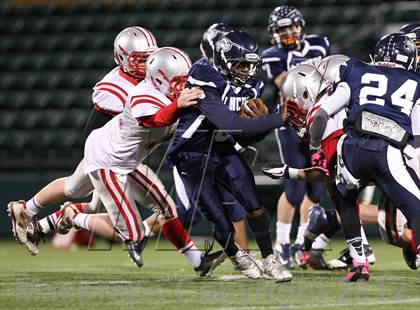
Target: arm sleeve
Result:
[[329, 106], [108, 99], [97, 119], [337, 101], [273, 69], [219, 114], [317, 128], [162, 118]]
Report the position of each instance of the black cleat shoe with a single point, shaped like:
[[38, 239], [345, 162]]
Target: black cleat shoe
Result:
[[209, 262], [135, 249], [316, 260], [344, 260], [410, 258]]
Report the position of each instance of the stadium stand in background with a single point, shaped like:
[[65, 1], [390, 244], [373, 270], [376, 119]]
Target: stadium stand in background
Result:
[[52, 53]]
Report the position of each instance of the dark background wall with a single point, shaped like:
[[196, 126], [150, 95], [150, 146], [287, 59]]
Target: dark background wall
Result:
[[53, 52]]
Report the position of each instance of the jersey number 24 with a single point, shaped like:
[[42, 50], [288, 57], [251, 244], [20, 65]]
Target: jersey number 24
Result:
[[402, 97]]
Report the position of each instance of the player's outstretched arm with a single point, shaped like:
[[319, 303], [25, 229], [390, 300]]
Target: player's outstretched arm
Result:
[[219, 114], [282, 171]]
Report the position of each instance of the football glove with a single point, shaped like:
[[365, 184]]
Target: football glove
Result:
[[319, 161], [276, 170]]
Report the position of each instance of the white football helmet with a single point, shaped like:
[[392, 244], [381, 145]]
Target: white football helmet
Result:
[[167, 69], [299, 91], [132, 46], [329, 66]]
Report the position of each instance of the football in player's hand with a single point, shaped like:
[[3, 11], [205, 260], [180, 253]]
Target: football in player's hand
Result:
[[253, 107]]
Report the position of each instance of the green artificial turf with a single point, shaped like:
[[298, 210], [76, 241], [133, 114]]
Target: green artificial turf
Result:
[[105, 279]]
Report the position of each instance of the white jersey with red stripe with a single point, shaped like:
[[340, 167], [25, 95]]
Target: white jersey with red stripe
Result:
[[334, 124], [122, 143], [110, 93]]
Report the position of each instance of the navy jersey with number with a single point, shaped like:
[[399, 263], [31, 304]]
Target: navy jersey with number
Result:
[[387, 91], [195, 132], [277, 60]]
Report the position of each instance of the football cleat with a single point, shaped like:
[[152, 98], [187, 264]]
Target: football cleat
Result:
[[411, 259], [135, 250], [283, 254], [358, 273], [65, 220], [344, 260], [316, 261], [246, 265], [209, 262], [32, 237], [299, 255], [273, 269], [20, 219]]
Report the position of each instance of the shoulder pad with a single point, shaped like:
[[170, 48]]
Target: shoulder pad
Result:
[[315, 39], [203, 74]]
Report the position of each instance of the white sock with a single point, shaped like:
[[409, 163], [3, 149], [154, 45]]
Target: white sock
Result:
[[301, 232], [33, 207], [81, 221], [283, 232], [356, 249], [362, 233], [147, 231], [48, 223], [320, 242], [191, 252]]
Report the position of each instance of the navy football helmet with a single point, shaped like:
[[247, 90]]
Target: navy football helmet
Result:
[[280, 27], [414, 28], [398, 48], [212, 34], [237, 58]]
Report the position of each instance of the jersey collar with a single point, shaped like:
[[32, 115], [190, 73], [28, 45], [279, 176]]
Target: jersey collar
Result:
[[127, 77]]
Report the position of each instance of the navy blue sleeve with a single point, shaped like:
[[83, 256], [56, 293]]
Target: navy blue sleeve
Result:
[[219, 114]]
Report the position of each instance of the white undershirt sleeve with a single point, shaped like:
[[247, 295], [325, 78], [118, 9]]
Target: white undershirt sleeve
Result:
[[336, 101]]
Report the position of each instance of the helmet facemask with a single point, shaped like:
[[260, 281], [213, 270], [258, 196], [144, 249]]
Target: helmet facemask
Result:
[[171, 88], [289, 37], [240, 71], [295, 115]]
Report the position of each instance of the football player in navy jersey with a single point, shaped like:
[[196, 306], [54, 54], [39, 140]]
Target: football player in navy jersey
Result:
[[292, 47], [383, 104], [204, 154], [188, 214]]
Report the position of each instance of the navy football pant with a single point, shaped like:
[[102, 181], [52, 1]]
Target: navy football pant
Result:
[[205, 178], [376, 161], [293, 151], [190, 216]]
